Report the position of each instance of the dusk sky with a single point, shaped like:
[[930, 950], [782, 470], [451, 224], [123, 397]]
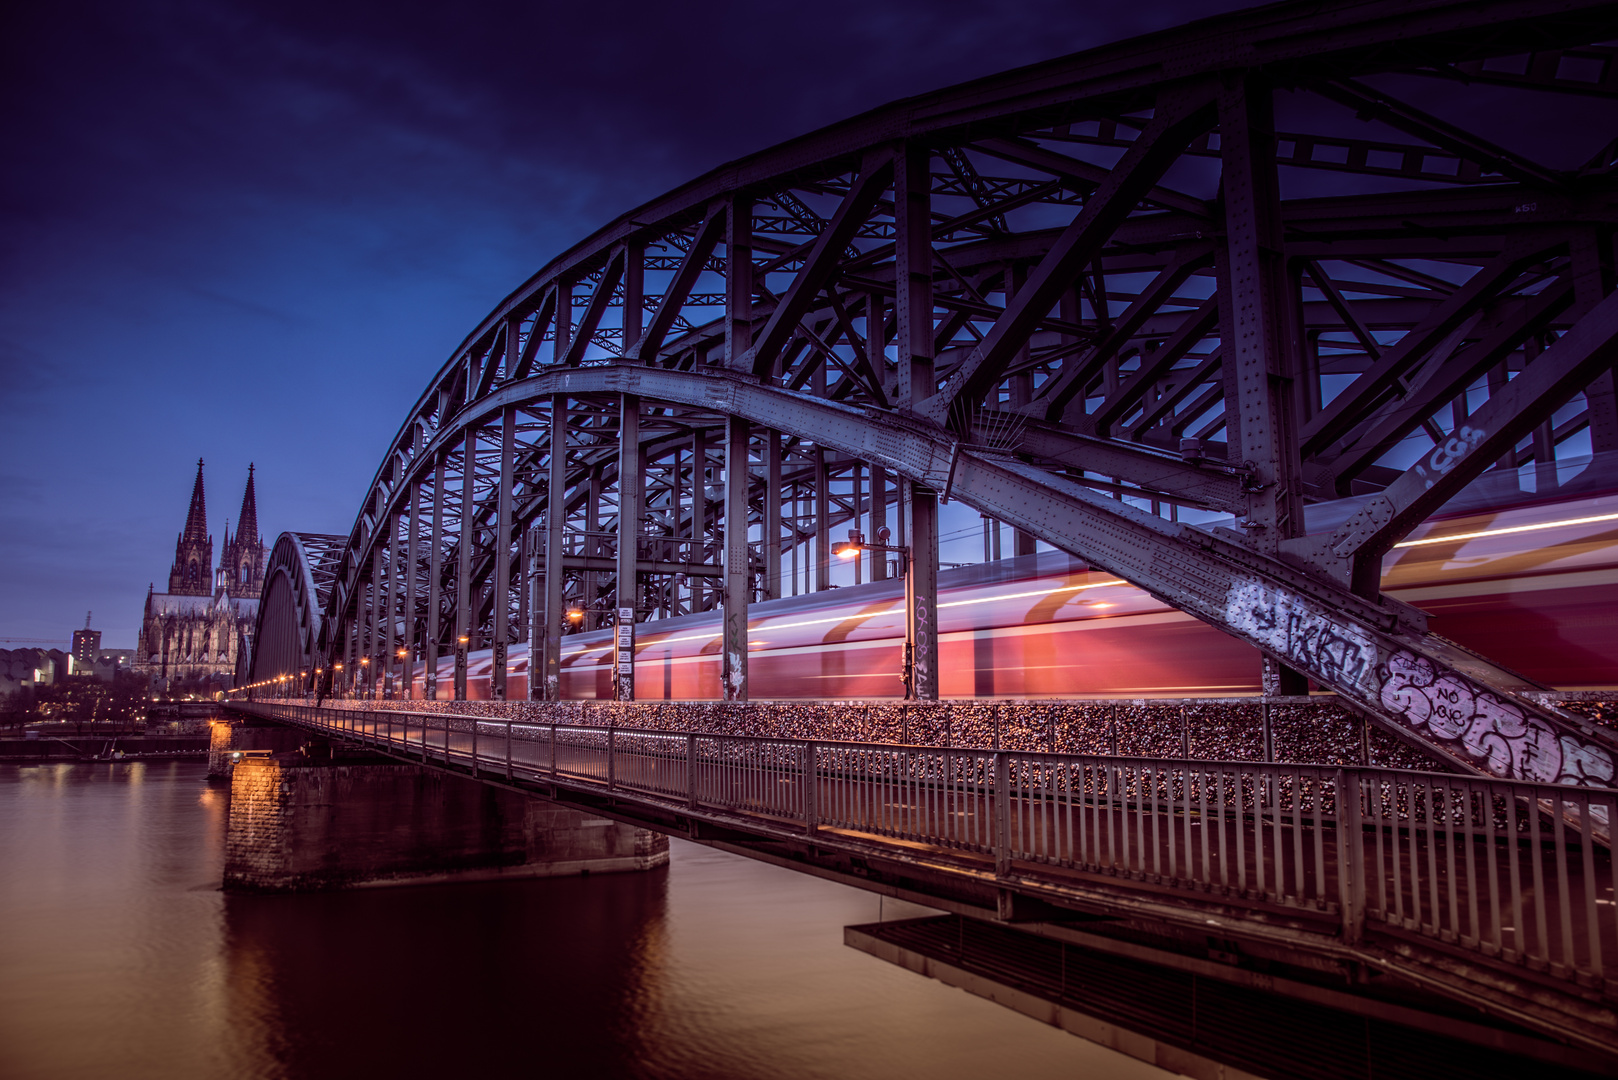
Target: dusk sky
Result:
[[250, 232]]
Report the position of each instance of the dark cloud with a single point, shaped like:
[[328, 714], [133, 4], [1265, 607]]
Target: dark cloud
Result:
[[250, 231]]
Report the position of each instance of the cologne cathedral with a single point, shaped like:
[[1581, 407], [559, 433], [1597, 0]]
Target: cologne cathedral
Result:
[[191, 634]]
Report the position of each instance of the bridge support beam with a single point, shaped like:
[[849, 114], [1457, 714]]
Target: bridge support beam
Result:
[[631, 499], [502, 550], [410, 550], [773, 497], [1253, 298], [386, 591], [435, 598], [738, 571], [921, 594], [545, 664]]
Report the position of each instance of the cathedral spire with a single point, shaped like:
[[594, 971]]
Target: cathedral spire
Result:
[[196, 521], [247, 520], [243, 554], [193, 551]]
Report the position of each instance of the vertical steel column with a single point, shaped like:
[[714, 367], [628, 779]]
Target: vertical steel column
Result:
[[435, 597], [407, 672], [879, 521], [592, 547], [390, 553], [536, 607], [913, 311], [921, 596], [699, 512], [502, 551], [1259, 350], [564, 321], [631, 494], [856, 501], [522, 571], [354, 645], [738, 281], [738, 574], [738, 580], [463, 566], [376, 650], [548, 619], [676, 523], [913, 274], [1261, 357], [822, 521], [634, 293], [772, 514]]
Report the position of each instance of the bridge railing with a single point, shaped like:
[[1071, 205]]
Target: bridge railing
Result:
[[1517, 872]]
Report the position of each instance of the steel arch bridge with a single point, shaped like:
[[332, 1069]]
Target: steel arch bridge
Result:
[[1232, 268]]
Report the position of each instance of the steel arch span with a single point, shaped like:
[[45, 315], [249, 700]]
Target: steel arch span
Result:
[[1236, 268], [298, 582]]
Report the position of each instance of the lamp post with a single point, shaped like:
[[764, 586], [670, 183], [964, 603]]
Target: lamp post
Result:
[[406, 674], [852, 548], [365, 678], [337, 680]]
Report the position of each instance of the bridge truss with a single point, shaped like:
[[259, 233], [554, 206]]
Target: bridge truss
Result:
[[1268, 259]]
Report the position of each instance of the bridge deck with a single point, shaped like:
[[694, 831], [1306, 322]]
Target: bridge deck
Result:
[[1517, 878]]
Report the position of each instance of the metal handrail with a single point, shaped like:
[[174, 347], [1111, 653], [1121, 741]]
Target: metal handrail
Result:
[[1513, 871]]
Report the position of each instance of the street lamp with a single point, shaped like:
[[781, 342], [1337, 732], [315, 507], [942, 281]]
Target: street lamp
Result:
[[851, 549], [405, 674], [337, 678], [365, 676], [856, 545]]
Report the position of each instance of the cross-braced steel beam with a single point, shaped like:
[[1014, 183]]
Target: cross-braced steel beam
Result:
[[1109, 300]]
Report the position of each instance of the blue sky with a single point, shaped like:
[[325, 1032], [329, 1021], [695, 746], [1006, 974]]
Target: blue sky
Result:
[[251, 231]]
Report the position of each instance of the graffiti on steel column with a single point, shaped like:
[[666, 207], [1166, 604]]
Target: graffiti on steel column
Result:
[[1340, 653], [735, 656], [498, 672], [924, 678], [1494, 732]]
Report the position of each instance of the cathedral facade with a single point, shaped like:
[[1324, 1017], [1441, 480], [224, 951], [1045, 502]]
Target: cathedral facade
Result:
[[191, 635]]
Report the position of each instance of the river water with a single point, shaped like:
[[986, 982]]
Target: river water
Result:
[[120, 957]]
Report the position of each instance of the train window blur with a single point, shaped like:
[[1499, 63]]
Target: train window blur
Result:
[[1503, 571]]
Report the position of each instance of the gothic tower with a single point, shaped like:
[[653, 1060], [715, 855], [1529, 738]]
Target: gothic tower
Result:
[[242, 556], [193, 551]]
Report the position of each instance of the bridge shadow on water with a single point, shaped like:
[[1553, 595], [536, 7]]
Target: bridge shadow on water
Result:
[[505, 978], [714, 966]]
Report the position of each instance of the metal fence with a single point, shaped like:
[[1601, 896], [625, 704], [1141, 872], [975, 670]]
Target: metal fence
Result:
[[1518, 872]]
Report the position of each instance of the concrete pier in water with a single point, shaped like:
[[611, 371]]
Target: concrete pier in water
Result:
[[314, 818]]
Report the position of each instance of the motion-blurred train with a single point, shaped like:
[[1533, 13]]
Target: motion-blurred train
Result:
[[1532, 582]]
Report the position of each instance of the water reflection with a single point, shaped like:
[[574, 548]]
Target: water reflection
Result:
[[119, 957]]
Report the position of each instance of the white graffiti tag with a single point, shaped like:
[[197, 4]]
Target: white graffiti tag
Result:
[[1447, 454], [1498, 735], [1336, 651]]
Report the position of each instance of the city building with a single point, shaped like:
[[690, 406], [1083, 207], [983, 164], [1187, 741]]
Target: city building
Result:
[[86, 645], [192, 633], [20, 668], [90, 658]]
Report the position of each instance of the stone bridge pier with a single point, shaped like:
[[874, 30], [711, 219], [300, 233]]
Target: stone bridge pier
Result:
[[306, 816]]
